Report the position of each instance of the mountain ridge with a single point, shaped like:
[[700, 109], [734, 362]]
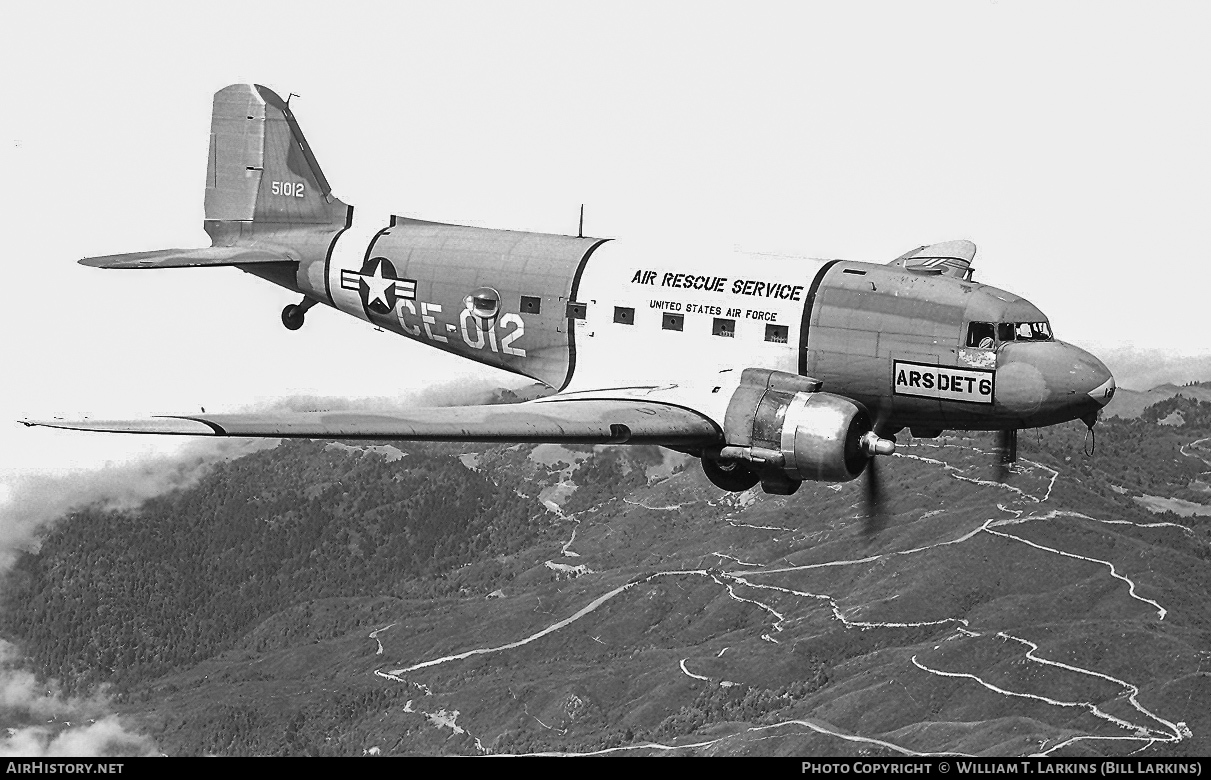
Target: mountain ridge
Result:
[[1131, 403], [641, 610]]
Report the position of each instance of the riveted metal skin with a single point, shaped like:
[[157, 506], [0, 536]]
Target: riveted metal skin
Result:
[[447, 261]]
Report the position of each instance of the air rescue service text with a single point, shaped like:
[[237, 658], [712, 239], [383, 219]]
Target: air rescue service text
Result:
[[755, 287], [945, 382]]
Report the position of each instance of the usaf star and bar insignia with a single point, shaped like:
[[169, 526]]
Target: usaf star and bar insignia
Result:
[[378, 285]]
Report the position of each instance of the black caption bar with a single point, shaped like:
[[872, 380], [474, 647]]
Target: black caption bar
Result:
[[929, 765]]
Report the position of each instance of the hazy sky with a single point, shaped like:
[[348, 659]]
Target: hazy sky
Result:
[[1070, 141]]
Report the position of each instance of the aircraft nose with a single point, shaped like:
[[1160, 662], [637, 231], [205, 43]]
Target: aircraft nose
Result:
[[1050, 382], [1087, 386], [1104, 391]]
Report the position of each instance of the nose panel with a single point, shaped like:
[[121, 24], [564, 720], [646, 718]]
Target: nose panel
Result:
[[1103, 392], [1020, 386], [1047, 382]]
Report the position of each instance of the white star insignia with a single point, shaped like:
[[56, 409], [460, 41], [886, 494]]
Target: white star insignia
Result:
[[378, 286]]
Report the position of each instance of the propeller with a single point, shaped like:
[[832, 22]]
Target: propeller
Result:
[[1007, 452], [876, 509]]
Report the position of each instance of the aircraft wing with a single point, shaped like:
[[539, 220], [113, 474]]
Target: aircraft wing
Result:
[[189, 258], [552, 419]]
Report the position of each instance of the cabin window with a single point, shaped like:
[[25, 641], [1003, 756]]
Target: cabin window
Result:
[[778, 334], [624, 315], [576, 311], [981, 334], [673, 322], [531, 304], [724, 327]]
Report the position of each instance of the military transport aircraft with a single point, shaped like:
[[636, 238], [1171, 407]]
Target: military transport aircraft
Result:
[[771, 370]]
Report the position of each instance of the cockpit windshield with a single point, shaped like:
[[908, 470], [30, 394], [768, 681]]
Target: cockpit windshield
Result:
[[987, 335]]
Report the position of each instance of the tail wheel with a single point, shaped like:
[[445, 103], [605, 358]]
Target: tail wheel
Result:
[[292, 317], [733, 475]]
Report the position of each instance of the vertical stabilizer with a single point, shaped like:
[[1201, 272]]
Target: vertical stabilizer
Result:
[[260, 167]]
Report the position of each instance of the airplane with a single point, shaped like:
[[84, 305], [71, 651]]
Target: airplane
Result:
[[771, 370]]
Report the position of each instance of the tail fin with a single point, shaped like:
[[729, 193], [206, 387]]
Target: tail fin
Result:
[[267, 201], [261, 168]]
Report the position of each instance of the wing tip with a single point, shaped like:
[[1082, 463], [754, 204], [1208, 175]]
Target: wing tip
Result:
[[167, 426]]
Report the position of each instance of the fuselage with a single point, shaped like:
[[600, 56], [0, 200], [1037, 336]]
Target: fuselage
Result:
[[771, 369], [922, 350]]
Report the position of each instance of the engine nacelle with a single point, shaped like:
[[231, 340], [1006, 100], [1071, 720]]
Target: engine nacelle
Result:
[[783, 430], [821, 437]]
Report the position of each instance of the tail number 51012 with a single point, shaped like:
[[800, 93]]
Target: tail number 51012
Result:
[[291, 189]]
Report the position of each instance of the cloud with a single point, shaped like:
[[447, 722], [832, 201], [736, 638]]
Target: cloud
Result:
[[20, 692], [104, 738], [97, 732]]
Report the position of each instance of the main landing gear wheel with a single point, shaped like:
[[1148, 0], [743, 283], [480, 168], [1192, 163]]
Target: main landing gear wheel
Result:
[[731, 475], [292, 316]]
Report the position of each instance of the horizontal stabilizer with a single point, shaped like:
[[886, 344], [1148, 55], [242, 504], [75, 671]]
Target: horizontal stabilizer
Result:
[[585, 421], [189, 258]]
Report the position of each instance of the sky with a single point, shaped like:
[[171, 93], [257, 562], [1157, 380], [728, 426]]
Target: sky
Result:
[[1068, 140]]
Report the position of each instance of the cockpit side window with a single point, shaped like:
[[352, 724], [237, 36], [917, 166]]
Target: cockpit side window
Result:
[[1032, 331], [1005, 331], [980, 334]]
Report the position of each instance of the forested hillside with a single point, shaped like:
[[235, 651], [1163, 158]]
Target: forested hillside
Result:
[[122, 596], [328, 599], [1156, 453]]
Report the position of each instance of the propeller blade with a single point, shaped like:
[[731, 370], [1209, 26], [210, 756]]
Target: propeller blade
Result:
[[876, 510], [874, 445], [1006, 452]]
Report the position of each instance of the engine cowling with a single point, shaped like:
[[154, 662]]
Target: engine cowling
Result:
[[821, 437], [784, 430]]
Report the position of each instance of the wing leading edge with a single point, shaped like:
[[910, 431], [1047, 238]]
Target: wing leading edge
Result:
[[578, 421]]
